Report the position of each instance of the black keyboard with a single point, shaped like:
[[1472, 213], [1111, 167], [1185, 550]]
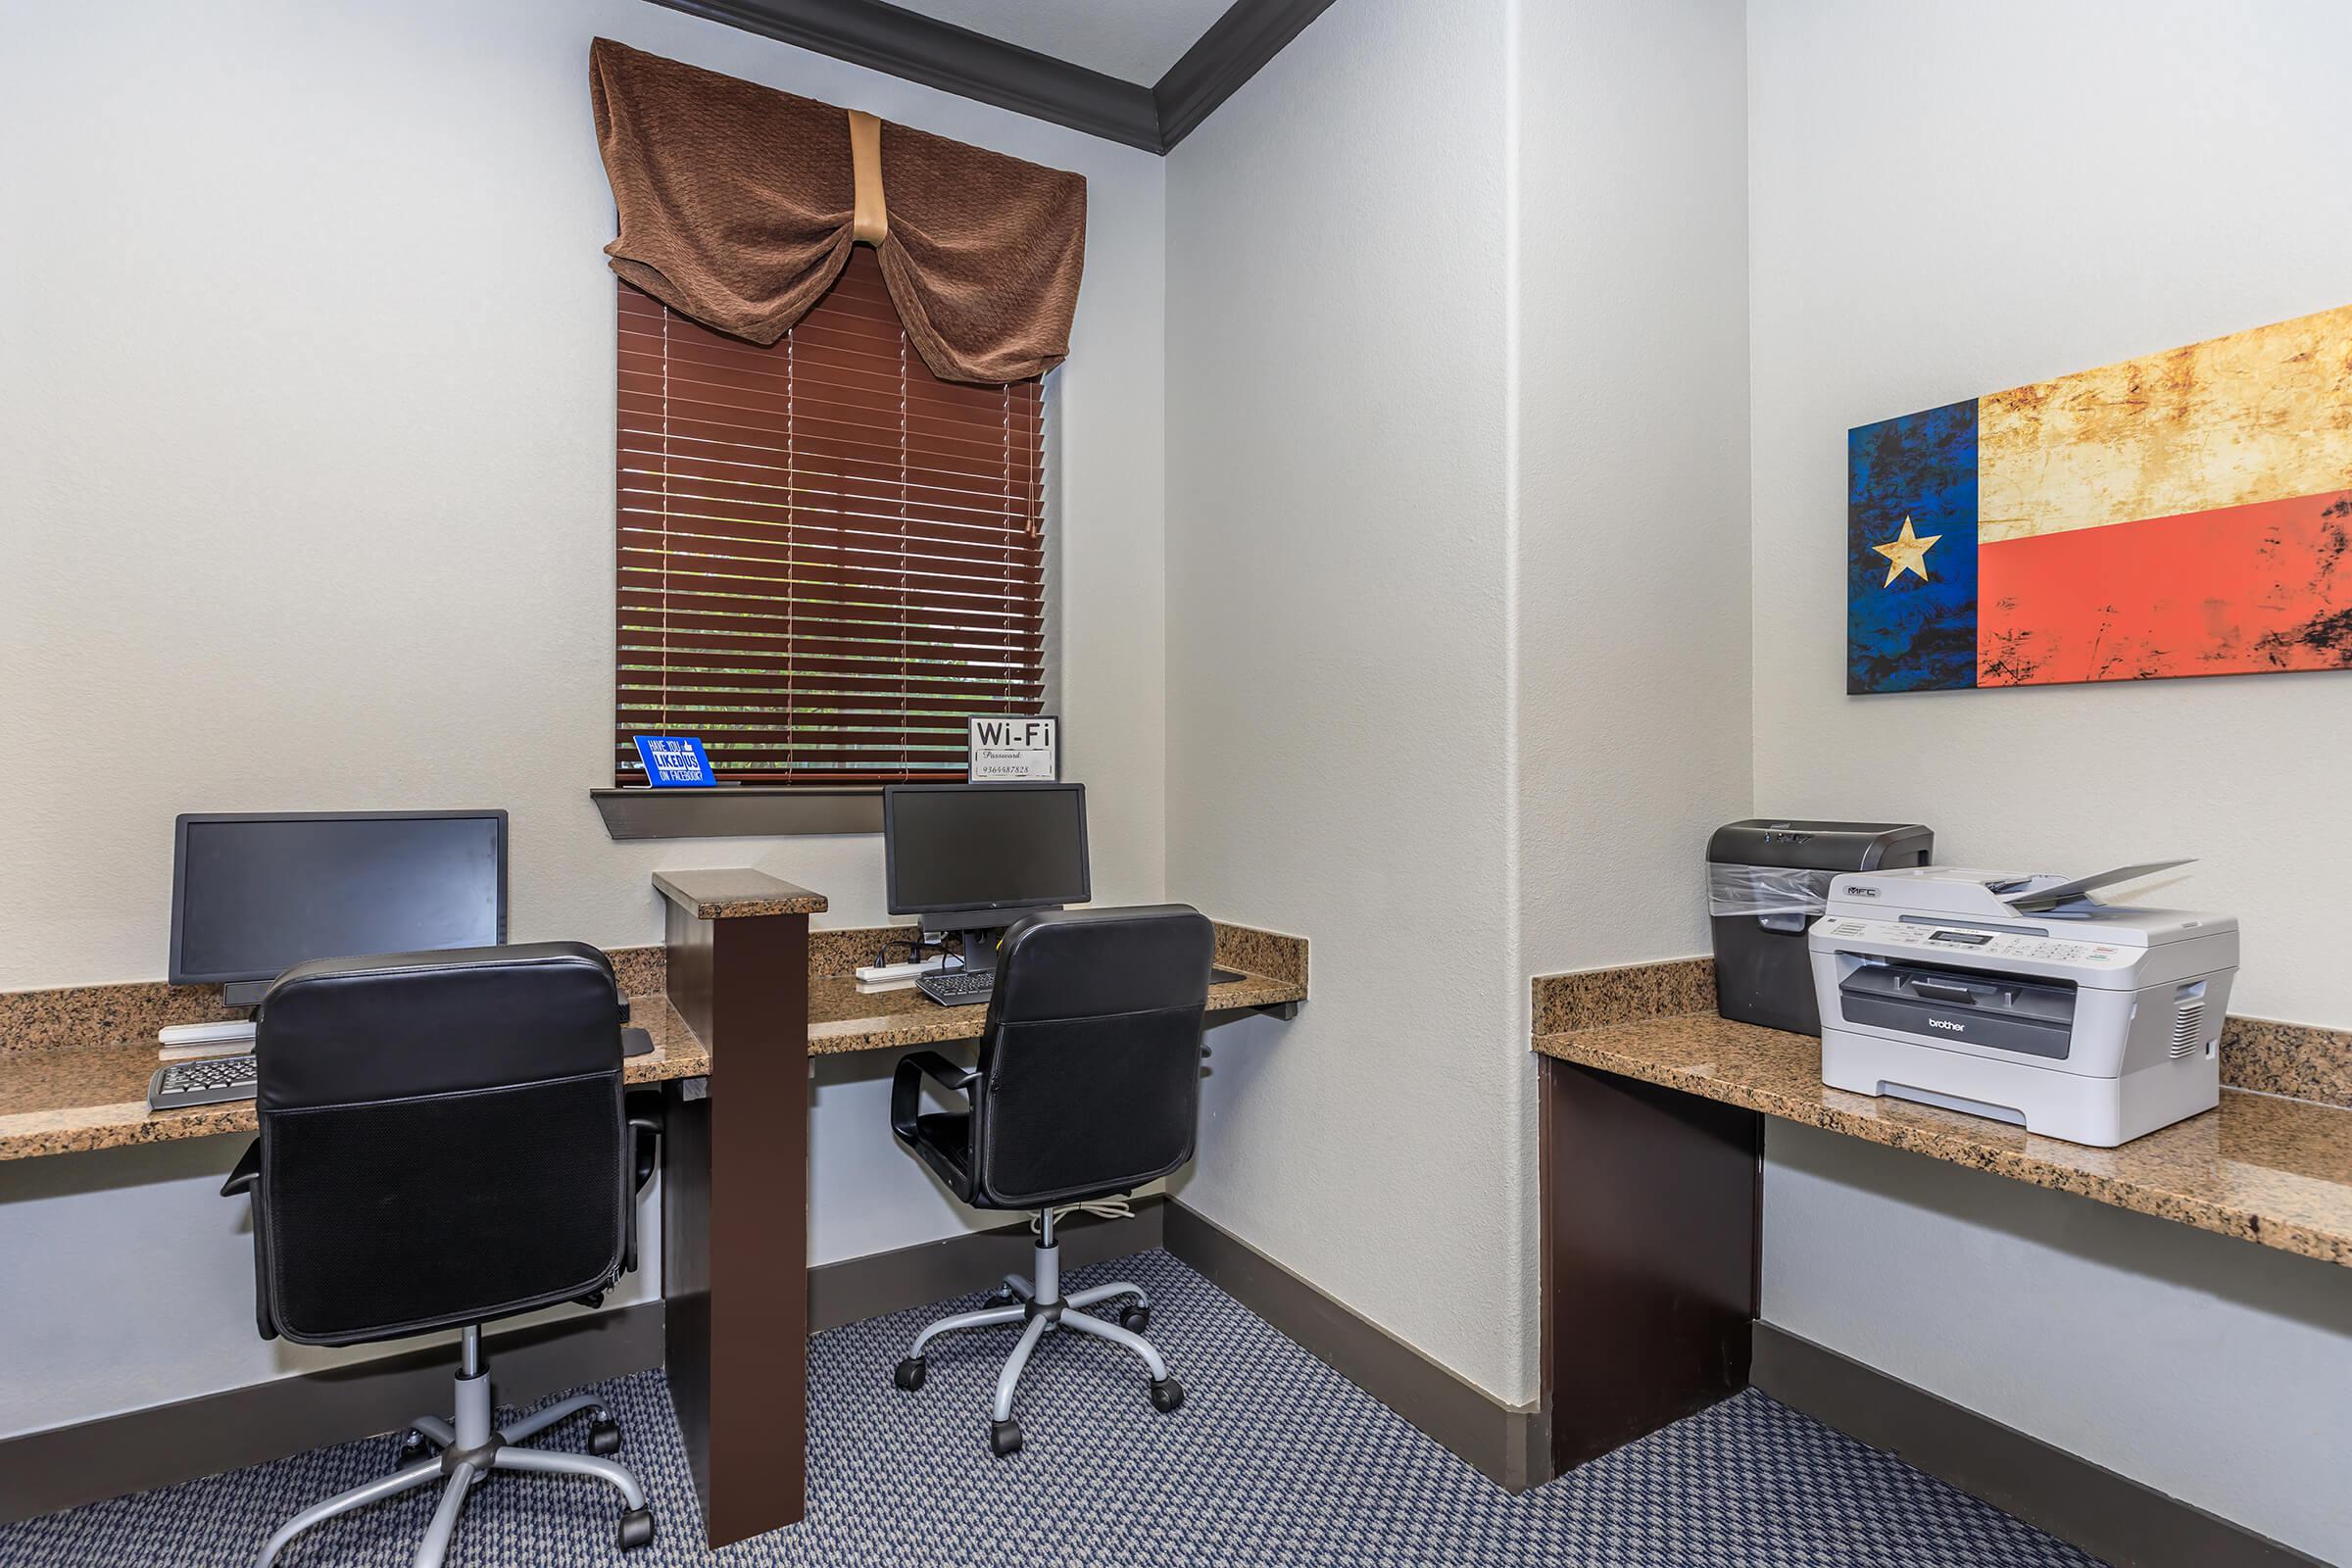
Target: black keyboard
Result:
[[957, 987], [965, 988], [208, 1080]]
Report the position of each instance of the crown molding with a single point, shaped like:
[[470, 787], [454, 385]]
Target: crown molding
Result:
[[972, 65]]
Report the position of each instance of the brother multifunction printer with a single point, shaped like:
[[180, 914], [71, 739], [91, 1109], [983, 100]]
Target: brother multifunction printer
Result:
[[2023, 997]]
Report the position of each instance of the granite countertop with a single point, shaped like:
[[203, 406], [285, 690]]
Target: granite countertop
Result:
[[845, 1016], [736, 894], [63, 1101], [2261, 1167]]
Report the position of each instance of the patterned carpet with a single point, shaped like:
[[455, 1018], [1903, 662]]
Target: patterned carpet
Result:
[[1273, 1459]]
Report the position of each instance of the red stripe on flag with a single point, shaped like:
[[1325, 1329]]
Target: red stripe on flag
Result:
[[2233, 590]]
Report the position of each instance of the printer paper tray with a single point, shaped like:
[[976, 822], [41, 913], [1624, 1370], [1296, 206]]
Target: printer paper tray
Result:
[[1961, 1006]]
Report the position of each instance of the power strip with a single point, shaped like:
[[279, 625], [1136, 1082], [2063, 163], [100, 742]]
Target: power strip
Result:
[[879, 974], [183, 1042]]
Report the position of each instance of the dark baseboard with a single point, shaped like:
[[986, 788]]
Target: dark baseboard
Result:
[[1507, 1444], [858, 1288], [41, 1472], [2110, 1516]]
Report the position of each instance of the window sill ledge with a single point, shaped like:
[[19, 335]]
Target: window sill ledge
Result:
[[738, 810]]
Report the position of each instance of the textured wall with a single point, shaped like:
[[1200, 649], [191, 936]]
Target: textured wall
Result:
[[1337, 660], [1633, 538], [1946, 200]]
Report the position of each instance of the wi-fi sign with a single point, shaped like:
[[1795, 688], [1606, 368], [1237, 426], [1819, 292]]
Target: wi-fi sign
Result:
[[1015, 747]]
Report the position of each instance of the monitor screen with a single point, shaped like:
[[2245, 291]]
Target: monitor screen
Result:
[[984, 846], [254, 895]]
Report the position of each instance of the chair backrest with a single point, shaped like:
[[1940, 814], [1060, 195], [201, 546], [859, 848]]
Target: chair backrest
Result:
[[442, 1139], [1092, 1058]]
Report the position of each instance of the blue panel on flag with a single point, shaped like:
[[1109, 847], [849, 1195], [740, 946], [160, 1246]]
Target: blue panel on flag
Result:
[[1911, 551], [674, 761]]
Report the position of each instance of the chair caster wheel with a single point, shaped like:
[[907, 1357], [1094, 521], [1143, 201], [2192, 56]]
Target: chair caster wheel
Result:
[[910, 1373], [1136, 1319], [1166, 1393], [412, 1448], [1004, 1436], [636, 1529], [604, 1438]]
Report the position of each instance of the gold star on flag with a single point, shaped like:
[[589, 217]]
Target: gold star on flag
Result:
[[1907, 552]]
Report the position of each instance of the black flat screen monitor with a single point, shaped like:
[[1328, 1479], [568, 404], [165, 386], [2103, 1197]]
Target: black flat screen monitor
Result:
[[971, 849], [252, 895]]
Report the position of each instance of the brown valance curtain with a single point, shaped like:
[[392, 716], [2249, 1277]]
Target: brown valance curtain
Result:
[[737, 205]]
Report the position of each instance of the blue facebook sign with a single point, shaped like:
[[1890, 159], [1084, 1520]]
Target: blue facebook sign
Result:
[[674, 761]]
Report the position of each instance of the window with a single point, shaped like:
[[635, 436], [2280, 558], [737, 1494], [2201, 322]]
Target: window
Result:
[[827, 557]]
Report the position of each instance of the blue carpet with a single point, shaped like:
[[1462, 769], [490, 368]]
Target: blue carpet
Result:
[[1273, 1459]]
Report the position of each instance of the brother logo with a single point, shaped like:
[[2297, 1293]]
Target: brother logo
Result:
[[1946, 1023]]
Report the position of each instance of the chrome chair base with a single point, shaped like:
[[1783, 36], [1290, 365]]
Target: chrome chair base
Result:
[[469, 1450], [1040, 1308]]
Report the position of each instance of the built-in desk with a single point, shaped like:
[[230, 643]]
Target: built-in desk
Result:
[[1652, 1109], [741, 995], [2260, 1168], [67, 1099], [63, 1099]]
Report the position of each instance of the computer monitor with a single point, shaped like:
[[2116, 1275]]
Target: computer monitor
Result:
[[254, 895], [971, 856]]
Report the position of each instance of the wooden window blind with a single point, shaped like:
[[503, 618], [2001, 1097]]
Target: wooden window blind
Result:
[[829, 558]]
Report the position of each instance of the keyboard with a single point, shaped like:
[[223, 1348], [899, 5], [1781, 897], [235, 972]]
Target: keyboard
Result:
[[965, 988], [957, 987], [207, 1082]]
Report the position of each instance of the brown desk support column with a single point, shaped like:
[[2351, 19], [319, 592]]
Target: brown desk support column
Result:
[[1652, 1207], [735, 1197]]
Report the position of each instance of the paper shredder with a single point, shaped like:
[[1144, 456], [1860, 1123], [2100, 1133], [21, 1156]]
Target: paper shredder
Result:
[[1767, 882]]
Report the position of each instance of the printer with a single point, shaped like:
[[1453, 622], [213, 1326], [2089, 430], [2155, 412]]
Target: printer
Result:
[[2023, 997]]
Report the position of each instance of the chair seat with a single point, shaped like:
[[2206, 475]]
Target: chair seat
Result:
[[944, 1139]]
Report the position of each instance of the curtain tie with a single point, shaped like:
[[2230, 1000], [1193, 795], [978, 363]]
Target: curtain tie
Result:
[[870, 221]]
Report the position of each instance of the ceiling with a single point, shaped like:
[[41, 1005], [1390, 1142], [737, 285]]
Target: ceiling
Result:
[[1135, 40]]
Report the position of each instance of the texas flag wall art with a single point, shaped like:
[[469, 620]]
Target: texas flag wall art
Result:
[[2187, 513]]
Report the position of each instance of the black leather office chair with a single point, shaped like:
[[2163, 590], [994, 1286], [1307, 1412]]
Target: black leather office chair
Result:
[[444, 1142], [1089, 1085]]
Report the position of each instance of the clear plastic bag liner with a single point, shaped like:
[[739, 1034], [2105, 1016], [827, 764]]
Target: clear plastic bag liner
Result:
[[1766, 890]]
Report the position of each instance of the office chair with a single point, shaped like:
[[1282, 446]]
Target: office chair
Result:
[[1088, 1086], [445, 1142]]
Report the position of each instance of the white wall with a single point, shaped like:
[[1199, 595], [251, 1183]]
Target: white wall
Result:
[[2207, 1367], [1337, 659], [1458, 597], [1632, 540], [1950, 199], [307, 426]]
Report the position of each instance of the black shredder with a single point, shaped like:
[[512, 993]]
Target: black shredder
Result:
[[1767, 882]]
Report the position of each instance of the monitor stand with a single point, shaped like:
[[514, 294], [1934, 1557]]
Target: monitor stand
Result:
[[979, 945], [245, 993], [978, 930]]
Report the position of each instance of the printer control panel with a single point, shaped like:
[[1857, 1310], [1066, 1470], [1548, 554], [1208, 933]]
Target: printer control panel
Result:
[[1960, 942]]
